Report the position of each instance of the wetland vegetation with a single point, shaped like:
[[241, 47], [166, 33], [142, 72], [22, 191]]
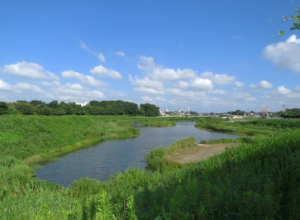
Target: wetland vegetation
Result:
[[258, 180]]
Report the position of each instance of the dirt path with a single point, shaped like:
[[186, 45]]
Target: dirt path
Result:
[[201, 152]]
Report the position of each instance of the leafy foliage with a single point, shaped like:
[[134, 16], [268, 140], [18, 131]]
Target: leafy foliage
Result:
[[296, 22], [36, 107]]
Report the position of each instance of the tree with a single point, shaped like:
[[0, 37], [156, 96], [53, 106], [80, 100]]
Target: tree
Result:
[[24, 107], [3, 108], [149, 110], [296, 22]]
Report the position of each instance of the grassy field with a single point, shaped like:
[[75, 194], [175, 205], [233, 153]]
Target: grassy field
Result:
[[258, 180]]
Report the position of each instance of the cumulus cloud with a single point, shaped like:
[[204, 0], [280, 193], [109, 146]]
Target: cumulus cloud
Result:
[[179, 92], [221, 79], [20, 88], [197, 83], [29, 70], [145, 82], [284, 91], [207, 75], [148, 90], [100, 56], [102, 71], [89, 80], [217, 92], [120, 54], [218, 79], [29, 87], [74, 92], [285, 55], [244, 96], [54, 83], [157, 72], [239, 84], [4, 85], [261, 85]]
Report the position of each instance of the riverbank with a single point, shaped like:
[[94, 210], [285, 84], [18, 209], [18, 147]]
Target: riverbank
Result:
[[253, 127], [258, 179], [39, 139], [198, 153]]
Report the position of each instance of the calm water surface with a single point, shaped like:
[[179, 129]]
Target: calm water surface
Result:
[[113, 156]]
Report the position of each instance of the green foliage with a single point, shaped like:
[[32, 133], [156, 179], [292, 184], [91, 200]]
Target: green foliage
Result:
[[294, 19], [37, 107], [217, 141], [149, 110], [249, 127], [258, 180], [3, 108], [40, 138]]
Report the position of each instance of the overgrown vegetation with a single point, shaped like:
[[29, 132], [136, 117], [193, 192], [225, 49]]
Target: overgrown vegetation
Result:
[[249, 127], [258, 180]]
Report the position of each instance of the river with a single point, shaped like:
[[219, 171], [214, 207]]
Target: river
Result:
[[113, 156]]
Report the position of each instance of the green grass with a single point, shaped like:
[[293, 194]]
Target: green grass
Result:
[[258, 180], [258, 127]]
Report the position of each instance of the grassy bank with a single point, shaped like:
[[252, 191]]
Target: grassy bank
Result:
[[258, 180], [37, 139], [258, 127], [255, 181]]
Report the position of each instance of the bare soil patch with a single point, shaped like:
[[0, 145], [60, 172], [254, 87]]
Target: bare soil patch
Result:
[[201, 152]]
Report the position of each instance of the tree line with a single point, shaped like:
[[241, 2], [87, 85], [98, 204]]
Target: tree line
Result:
[[37, 107]]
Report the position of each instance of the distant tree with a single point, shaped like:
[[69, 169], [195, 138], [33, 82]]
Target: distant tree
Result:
[[24, 107], [3, 108], [237, 112], [53, 104], [149, 110], [37, 103]]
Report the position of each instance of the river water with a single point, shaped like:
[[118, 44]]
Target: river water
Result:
[[113, 156]]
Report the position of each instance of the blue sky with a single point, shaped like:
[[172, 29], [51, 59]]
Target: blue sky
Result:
[[209, 55]]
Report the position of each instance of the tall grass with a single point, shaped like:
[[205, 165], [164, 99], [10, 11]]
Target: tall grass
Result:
[[258, 180]]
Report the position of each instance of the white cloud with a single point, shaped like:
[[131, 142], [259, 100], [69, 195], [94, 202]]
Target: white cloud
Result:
[[179, 92], [239, 84], [120, 54], [145, 82], [89, 80], [4, 85], [284, 91], [147, 99], [159, 98], [157, 72], [148, 90], [221, 79], [298, 88], [101, 57], [244, 96], [197, 83], [29, 87], [30, 70], [207, 75], [102, 71], [74, 92], [285, 55], [54, 83], [265, 84], [217, 92], [261, 85]]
